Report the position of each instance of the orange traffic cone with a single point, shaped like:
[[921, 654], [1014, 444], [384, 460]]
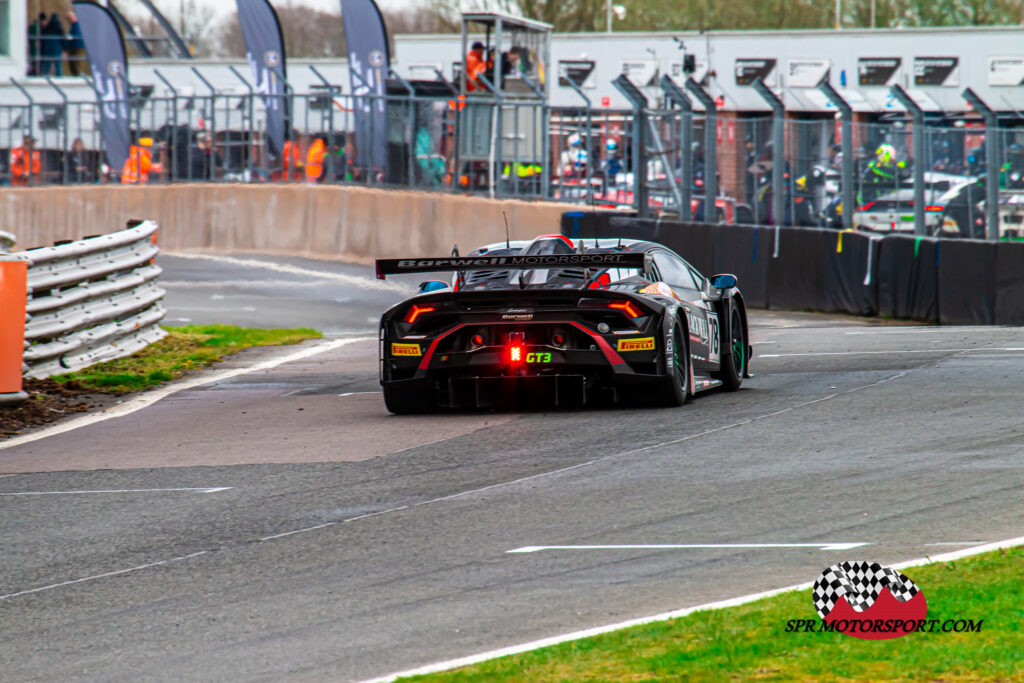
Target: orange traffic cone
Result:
[[13, 296]]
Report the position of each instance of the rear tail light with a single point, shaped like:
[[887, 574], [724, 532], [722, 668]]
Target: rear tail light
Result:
[[627, 307], [416, 311], [866, 207]]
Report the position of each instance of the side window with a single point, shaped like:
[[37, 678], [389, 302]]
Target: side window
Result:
[[673, 271], [697, 277]]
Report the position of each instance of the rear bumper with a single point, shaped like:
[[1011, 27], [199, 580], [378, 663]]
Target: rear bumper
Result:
[[563, 390]]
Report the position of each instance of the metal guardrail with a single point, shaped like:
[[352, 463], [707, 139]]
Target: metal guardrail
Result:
[[92, 300]]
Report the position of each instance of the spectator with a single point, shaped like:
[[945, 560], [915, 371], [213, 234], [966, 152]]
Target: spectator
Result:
[[35, 48], [204, 160], [25, 162], [78, 163], [139, 163], [476, 64], [315, 161], [53, 46], [78, 65], [352, 170]]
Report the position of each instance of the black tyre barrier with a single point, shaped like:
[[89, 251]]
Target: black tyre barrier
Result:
[[1010, 283], [743, 251], [967, 282], [894, 276], [908, 278], [796, 271], [849, 273]]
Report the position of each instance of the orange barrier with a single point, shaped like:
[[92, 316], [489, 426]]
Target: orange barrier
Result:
[[13, 295]]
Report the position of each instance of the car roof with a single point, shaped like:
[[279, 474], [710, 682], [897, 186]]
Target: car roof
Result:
[[589, 244]]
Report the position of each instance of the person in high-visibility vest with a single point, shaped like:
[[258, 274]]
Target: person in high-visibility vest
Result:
[[315, 161], [25, 162], [292, 167], [139, 163]]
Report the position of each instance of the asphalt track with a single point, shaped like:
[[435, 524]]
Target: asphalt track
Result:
[[352, 543]]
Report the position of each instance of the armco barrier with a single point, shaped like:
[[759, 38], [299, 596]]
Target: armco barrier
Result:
[[333, 222], [92, 300], [895, 276], [13, 277]]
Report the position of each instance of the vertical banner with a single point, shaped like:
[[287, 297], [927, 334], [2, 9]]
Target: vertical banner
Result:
[[105, 50], [368, 62], [264, 48]]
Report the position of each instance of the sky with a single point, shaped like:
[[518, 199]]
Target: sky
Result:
[[170, 7]]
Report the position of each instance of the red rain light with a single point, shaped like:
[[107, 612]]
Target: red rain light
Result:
[[415, 311], [515, 354], [934, 208], [626, 307]]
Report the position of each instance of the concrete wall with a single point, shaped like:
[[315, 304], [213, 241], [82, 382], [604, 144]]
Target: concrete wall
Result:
[[343, 223]]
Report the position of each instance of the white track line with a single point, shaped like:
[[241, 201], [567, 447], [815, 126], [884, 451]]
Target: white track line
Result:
[[215, 489], [665, 616], [689, 546], [888, 353], [150, 397], [103, 576], [361, 282]]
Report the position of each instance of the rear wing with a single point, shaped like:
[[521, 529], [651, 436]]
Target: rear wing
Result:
[[633, 259]]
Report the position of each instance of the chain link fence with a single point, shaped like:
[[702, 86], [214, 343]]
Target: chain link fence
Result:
[[652, 159]]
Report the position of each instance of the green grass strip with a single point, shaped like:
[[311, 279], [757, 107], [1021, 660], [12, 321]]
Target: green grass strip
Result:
[[750, 642], [183, 349]]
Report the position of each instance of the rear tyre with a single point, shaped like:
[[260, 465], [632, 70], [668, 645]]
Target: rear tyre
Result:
[[405, 402], [677, 371], [734, 366]]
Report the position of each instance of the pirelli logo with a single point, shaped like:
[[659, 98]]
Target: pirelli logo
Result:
[[639, 344], [406, 350]]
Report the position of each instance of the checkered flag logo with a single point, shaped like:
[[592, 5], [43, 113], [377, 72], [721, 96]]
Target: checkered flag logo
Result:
[[860, 583]]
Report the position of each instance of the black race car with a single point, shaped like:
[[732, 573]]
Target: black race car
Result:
[[553, 323]]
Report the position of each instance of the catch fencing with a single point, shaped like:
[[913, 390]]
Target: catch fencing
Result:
[[674, 153], [92, 300]]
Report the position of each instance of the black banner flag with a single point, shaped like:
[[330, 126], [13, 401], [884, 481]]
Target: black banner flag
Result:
[[105, 50], [368, 62], [264, 47]]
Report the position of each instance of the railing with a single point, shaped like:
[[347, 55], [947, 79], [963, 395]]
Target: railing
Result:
[[92, 300], [657, 164]]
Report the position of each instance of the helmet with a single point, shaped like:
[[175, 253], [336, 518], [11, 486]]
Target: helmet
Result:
[[885, 154], [574, 140], [612, 144]]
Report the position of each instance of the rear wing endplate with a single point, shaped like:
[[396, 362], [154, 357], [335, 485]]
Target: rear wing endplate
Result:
[[634, 259]]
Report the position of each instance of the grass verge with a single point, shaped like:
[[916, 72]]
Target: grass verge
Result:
[[183, 349], [750, 643]]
